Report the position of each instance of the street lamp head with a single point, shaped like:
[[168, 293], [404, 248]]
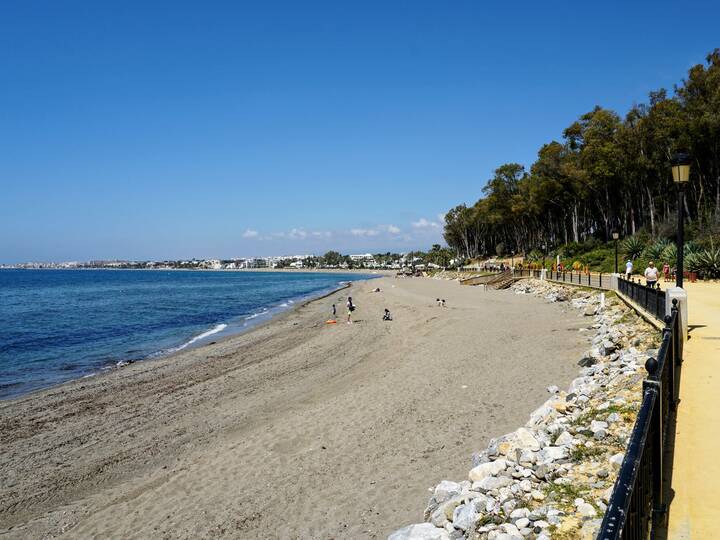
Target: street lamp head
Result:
[[616, 235], [680, 164]]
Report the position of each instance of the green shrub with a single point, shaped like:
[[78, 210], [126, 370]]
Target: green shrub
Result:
[[705, 262], [655, 251], [534, 255], [633, 247]]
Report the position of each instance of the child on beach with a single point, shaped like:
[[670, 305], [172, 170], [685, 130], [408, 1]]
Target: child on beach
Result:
[[387, 316], [350, 309]]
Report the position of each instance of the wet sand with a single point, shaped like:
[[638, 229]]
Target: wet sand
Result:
[[297, 429]]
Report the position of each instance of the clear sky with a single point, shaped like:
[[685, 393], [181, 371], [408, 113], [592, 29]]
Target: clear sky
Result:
[[220, 129]]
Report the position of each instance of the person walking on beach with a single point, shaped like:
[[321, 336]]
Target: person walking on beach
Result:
[[651, 275], [628, 269], [334, 312], [350, 309]]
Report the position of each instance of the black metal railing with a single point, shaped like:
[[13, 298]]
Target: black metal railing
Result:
[[650, 299], [638, 505], [577, 277], [526, 272]]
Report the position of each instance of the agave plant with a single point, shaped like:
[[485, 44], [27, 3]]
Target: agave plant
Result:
[[705, 262], [669, 254], [656, 250], [691, 247], [633, 247], [692, 262], [534, 255]]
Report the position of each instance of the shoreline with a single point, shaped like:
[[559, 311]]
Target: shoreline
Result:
[[345, 426], [301, 301]]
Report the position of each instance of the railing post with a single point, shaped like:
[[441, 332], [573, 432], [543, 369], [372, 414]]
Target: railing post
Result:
[[677, 331], [669, 335]]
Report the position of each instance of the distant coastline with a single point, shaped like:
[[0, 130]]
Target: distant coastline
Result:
[[379, 271]]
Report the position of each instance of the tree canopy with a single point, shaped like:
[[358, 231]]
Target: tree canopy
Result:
[[606, 173]]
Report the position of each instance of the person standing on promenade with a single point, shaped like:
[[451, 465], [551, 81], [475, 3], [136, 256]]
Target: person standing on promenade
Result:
[[666, 271], [628, 269], [651, 275], [350, 309]]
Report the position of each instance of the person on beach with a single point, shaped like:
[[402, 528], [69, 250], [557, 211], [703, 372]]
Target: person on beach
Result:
[[651, 275], [442, 303], [334, 312], [350, 309], [438, 302], [628, 269], [387, 316]]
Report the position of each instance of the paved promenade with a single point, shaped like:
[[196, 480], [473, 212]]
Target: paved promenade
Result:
[[695, 509]]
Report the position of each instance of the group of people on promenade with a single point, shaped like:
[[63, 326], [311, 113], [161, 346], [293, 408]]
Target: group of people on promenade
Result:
[[493, 267], [651, 274]]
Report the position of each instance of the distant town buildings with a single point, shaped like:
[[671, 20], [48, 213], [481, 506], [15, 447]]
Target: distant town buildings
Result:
[[365, 260]]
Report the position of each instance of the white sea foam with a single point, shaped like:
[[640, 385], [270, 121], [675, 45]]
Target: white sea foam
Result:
[[218, 328]]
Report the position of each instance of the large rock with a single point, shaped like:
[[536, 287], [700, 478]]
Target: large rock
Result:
[[616, 461], [420, 531], [563, 439], [444, 512], [484, 470], [586, 510], [492, 482], [550, 454], [607, 347], [446, 489], [527, 439], [465, 516]]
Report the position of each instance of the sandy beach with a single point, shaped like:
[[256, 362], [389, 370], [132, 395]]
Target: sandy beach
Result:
[[297, 429]]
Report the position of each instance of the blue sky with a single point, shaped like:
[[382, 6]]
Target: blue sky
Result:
[[220, 129]]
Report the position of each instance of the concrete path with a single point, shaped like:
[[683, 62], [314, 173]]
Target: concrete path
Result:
[[695, 508]]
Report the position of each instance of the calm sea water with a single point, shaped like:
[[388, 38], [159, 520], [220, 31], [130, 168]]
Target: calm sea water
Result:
[[57, 325]]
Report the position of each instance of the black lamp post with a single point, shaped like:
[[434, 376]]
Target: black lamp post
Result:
[[512, 259], [681, 175], [615, 236]]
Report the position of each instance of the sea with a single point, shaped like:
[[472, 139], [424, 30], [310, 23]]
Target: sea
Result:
[[57, 325]]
